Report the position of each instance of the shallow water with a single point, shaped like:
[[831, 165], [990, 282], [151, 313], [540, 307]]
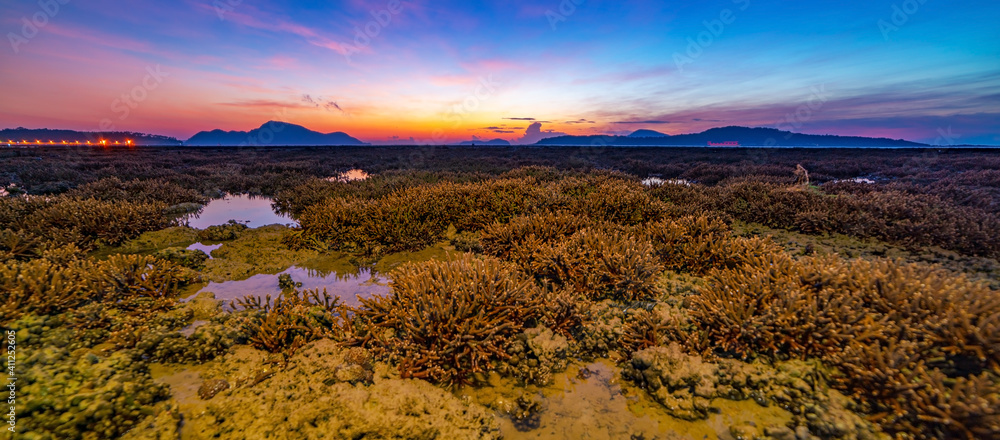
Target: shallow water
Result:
[[249, 210], [206, 248], [348, 287], [591, 402], [656, 181], [350, 176]]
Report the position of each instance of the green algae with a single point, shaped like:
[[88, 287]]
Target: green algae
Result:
[[151, 242], [256, 251], [442, 251], [192, 259], [796, 243], [588, 400], [309, 400]]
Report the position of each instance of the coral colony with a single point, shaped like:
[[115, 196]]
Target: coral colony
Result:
[[503, 282]]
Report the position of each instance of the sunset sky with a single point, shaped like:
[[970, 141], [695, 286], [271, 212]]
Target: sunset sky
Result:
[[447, 71]]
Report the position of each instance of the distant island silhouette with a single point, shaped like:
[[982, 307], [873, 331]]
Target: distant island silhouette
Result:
[[275, 133], [646, 133], [489, 143], [747, 137], [271, 133]]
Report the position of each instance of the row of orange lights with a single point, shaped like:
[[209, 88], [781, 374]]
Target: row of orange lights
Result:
[[38, 142]]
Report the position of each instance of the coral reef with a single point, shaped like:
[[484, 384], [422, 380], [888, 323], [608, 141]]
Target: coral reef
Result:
[[71, 392], [452, 319], [578, 265], [290, 321], [192, 259], [889, 327], [138, 191], [696, 244], [536, 354], [308, 399], [688, 387], [229, 231], [598, 265], [44, 286]]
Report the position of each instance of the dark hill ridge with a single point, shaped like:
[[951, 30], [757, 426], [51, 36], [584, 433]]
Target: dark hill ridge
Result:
[[45, 135], [271, 133], [747, 137], [646, 134], [490, 143]]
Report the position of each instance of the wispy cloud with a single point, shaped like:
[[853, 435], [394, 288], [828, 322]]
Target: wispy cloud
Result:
[[264, 103], [653, 121]]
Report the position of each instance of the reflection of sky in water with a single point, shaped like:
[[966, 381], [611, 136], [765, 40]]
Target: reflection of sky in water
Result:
[[252, 211], [350, 176], [204, 248], [348, 287]]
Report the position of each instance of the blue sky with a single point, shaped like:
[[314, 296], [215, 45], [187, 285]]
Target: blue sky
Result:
[[445, 71]]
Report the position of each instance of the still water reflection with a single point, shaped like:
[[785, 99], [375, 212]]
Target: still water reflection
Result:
[[349, 287], [350, 176], [207, 249], [249, 210]]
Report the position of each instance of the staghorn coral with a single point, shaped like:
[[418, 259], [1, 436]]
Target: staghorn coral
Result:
[[452, 319], [467, 242], [890, 328], [413, 218], [697, 244], [616, 201], [137, 191], [91, 222], [124, 277], [47, 286], [290, 321], [598, 265], [908, 397], [42, 286], [660, 325], [18, 245], [507, 241]]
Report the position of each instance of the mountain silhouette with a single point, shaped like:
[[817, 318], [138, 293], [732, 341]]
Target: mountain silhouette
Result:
[[747, 137], [491, 143], [646, 134], [272, 133]]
